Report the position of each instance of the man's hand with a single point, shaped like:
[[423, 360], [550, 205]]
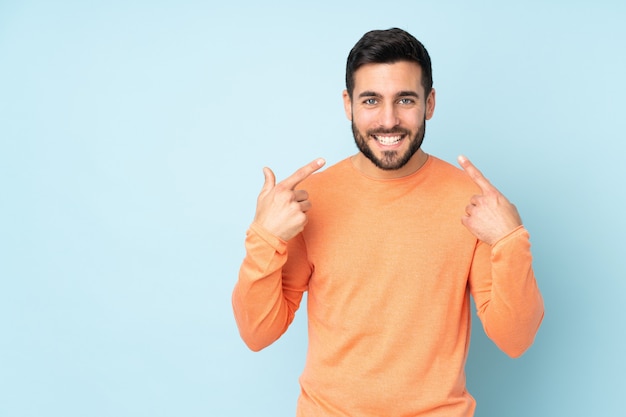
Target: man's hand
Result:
[[281, 209], [489, 216]]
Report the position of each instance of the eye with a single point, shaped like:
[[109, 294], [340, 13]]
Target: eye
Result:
[[370, 101], [406, 101]]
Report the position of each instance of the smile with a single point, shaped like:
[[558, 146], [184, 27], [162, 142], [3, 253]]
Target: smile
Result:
[[387, 140]]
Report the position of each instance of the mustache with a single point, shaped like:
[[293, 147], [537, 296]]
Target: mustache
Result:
[[392, 131]]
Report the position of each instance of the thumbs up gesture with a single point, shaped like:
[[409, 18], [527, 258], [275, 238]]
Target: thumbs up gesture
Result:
[[489, 216], [281, 209]]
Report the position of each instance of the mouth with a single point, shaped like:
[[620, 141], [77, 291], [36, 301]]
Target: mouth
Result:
[[388, 140]]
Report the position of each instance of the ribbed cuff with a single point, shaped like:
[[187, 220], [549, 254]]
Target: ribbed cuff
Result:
[[275, 242]]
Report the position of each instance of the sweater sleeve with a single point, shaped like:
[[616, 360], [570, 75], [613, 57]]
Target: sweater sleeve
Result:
[[504, 288], [266, 297]]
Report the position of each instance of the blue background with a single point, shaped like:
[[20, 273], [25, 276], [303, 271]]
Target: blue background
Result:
[[132, 139]]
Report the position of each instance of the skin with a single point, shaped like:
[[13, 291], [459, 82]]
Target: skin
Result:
[[281, 209], [388, 98], [489, 215]]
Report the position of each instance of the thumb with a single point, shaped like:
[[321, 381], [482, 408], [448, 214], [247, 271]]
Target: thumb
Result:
[[270, 180]]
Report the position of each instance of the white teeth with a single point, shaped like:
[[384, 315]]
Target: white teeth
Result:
[[388, 140]]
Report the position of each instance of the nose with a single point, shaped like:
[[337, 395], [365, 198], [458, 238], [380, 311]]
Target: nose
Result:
[[389, 116]]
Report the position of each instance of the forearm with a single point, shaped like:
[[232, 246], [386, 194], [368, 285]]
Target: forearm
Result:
[[514, 309], [263, 309]]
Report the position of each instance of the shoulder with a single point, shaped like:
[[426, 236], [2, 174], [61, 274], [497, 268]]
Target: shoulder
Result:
[[333, 175], [451, 177]]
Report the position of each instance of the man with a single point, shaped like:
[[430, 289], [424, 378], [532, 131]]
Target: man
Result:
[[389, 244]]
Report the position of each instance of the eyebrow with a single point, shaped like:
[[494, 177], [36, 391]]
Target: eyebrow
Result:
[[406, 93], [369, 94]]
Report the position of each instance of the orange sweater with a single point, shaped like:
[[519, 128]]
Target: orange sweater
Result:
[[389, 269]]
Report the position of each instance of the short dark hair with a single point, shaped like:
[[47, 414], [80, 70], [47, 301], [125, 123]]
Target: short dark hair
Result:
[[387, 47]]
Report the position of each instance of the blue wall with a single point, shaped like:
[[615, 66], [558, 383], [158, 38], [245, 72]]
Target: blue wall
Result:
[[132, 138]]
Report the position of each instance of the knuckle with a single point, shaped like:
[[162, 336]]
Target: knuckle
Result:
[[299, 219], [280, 187]]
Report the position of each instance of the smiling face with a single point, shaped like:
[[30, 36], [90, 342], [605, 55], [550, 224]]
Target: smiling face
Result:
[[388, 110]]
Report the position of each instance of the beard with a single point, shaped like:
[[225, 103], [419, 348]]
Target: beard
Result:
[[389, 160]]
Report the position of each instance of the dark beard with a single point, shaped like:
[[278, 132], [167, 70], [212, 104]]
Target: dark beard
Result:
[[390, 159]]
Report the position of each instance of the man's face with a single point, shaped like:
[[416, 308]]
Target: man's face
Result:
[[388, 110]]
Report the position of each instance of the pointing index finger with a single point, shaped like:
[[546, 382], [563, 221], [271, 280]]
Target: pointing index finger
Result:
[[302, 173], [475, 174]]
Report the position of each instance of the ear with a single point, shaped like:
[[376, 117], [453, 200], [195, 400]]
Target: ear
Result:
[[430, 104], [347, 104]]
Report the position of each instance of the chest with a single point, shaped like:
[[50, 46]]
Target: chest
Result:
[[414, 242]]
